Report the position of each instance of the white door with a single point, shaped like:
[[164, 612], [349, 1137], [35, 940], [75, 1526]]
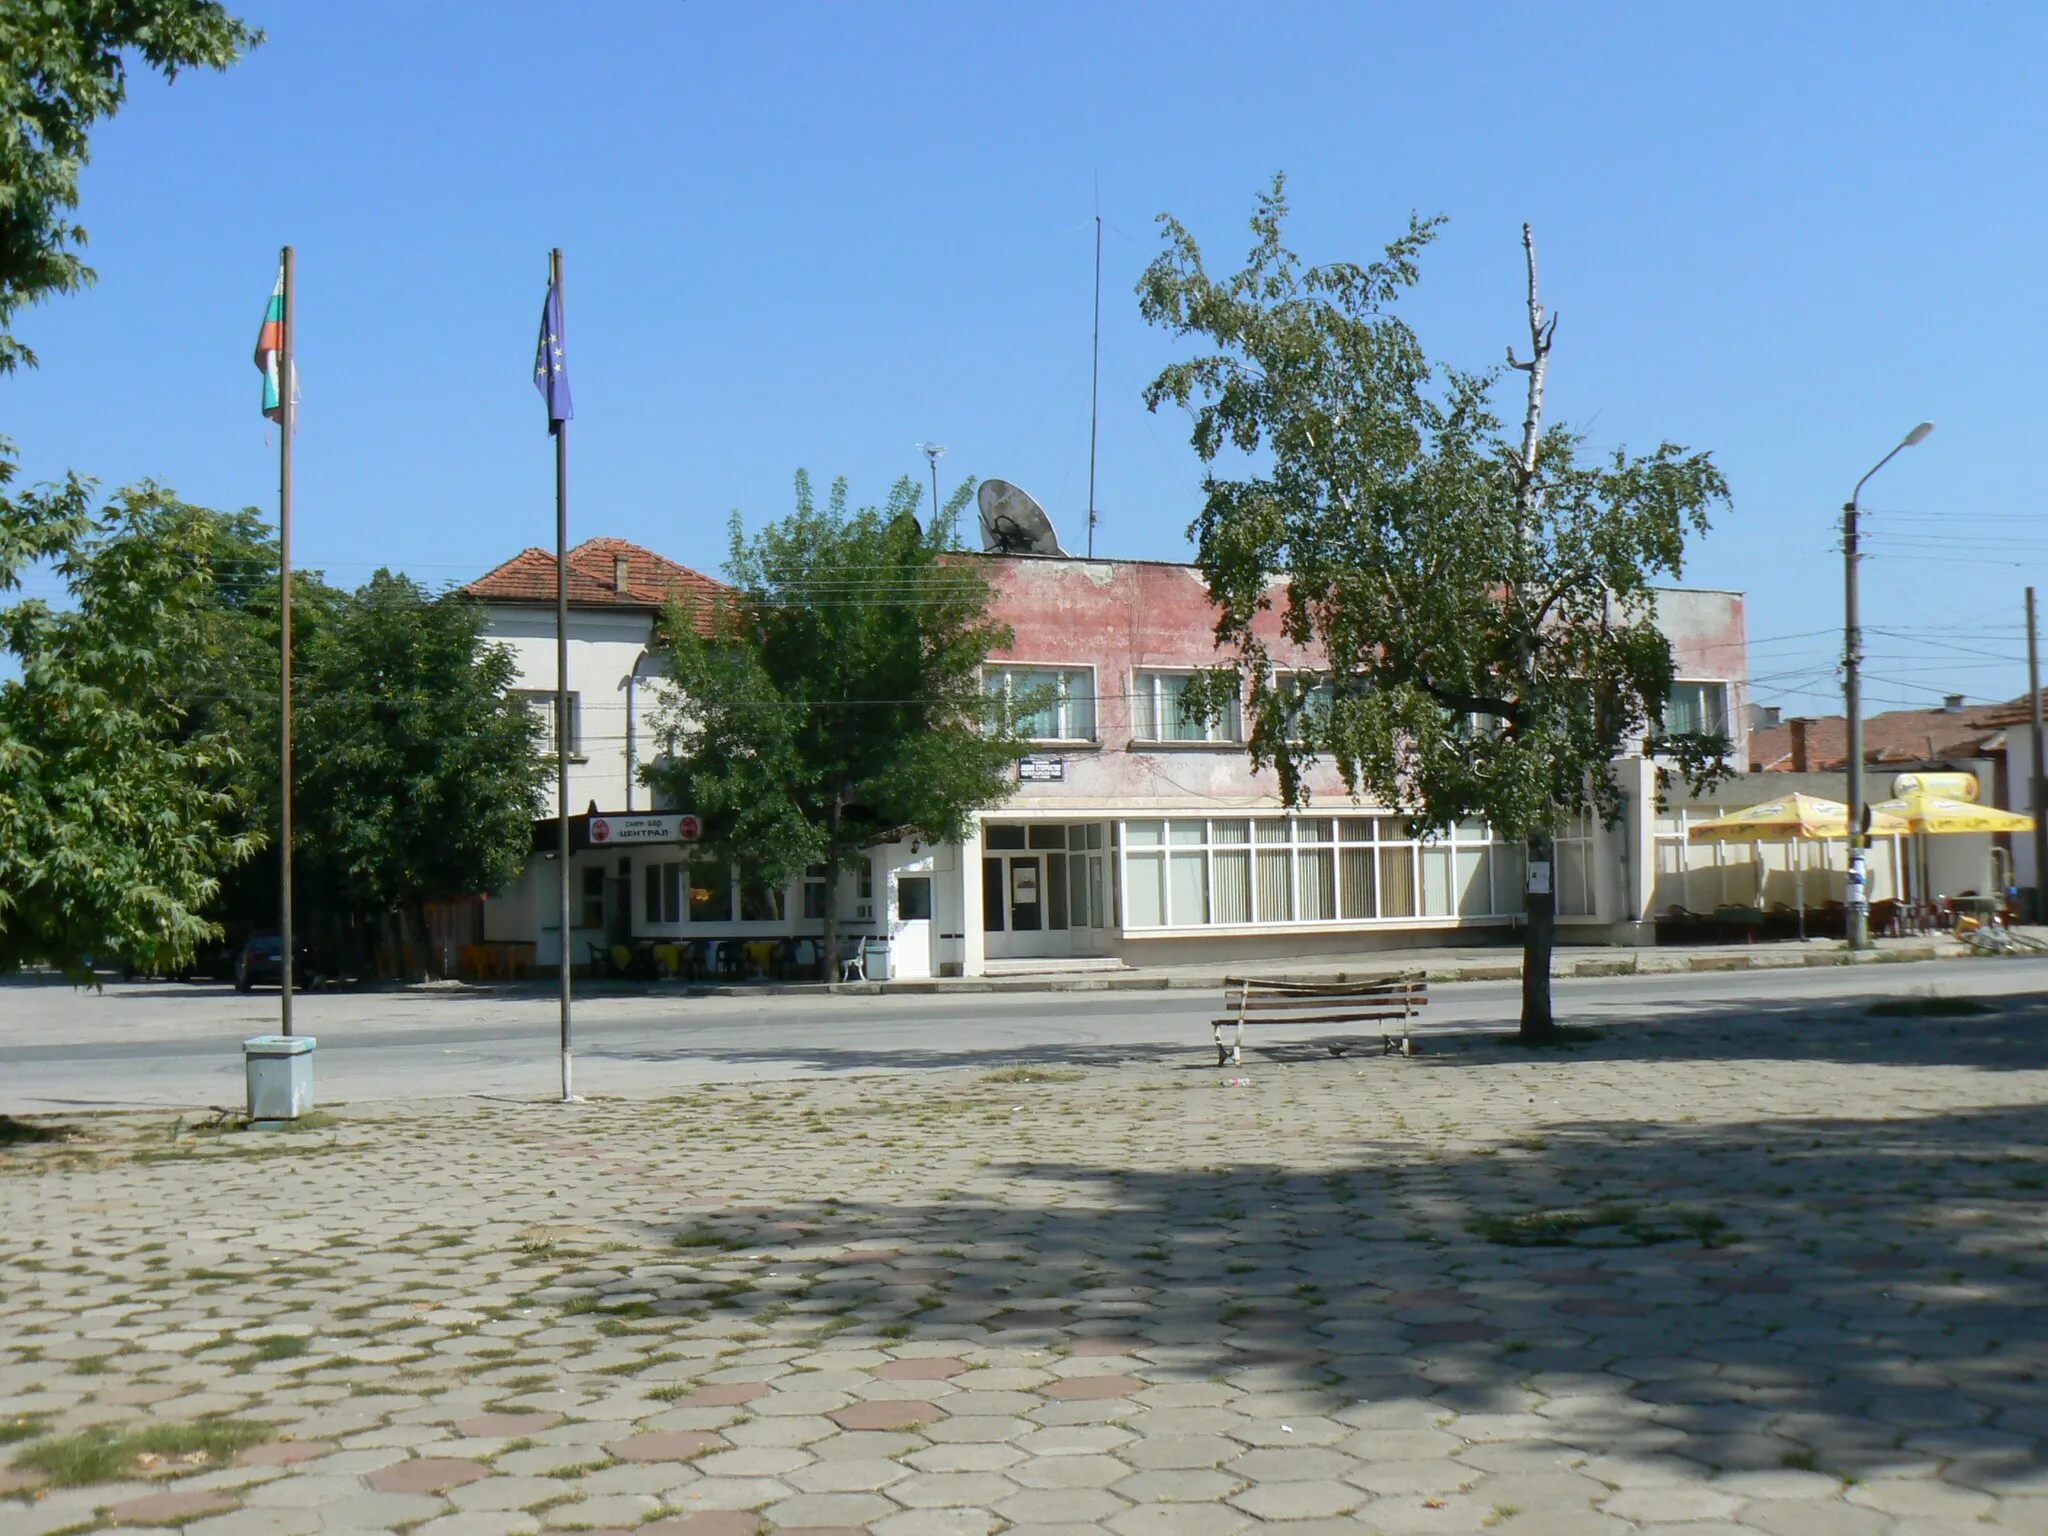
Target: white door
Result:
[[910, 926]]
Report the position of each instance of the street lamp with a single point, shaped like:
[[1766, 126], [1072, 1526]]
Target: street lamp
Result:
[[1852, 698]]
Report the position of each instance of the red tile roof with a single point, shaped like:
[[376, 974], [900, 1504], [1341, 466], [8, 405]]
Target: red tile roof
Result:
[[529, 577], [1896, 736]]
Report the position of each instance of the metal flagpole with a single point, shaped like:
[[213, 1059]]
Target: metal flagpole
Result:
[[562, 721], [284, 608], [2036, 807]]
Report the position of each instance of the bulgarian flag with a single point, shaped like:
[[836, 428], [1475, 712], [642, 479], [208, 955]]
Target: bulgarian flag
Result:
[[269, 343]]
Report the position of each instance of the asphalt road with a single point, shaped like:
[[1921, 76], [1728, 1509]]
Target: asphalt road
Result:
[[173, 1045]]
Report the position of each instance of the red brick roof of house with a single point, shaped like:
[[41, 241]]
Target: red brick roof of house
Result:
[[1896, 736], [603, 573]]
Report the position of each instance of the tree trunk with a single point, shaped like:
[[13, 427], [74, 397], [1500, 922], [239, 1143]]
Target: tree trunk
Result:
[[1539, 934], [831, 958]]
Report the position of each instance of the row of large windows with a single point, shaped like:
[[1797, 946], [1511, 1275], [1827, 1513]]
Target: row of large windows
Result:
[[674, 893], [1189, 872]]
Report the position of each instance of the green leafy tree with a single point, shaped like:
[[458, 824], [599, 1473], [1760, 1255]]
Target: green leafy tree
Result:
[[236, 695], [116, 802], [836, 700], [418, 775], [63, 68], [1483, 600]]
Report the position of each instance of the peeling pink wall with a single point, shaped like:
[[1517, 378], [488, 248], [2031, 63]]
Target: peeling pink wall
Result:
[[1122, 615]]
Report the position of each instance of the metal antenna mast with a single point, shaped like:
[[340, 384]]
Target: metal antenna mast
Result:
[[934, 452], [1094, 386]]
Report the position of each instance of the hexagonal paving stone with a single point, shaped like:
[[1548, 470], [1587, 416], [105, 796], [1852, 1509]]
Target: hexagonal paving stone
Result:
[[886, 1413], [426, 1474], [829, 1509], [1452, 1333], [666, 1445], [922, 1368], [490, 1426], [1298, 1500], [171, 1507], [711, 1522], [1083, 1389], [283, 1453], [725, 1394]]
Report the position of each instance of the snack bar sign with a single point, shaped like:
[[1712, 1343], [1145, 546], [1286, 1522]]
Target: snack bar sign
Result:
[[607, 830]]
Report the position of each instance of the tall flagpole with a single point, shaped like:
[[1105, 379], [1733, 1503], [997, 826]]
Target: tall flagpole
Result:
[[562, 721], [284, 568]]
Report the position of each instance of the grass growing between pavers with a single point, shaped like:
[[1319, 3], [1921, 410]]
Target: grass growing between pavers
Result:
[[1026, 1072], [101, 1455]]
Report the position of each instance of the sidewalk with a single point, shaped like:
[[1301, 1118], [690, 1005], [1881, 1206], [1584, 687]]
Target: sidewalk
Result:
[[1488, 962]]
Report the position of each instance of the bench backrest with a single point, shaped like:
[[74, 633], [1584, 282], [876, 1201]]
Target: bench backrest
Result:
[[1325, 1002]]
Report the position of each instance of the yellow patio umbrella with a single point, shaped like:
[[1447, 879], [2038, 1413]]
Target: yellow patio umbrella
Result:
[[1789, 817], [1933, 813], [1946, 813], [1793, 818]]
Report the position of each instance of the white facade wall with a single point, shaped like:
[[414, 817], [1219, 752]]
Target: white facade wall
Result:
[[606, 649]]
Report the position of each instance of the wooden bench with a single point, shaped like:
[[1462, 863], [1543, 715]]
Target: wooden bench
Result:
[[1387, 1001]]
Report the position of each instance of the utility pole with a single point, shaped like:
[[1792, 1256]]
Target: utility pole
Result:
[[1852, 700], [2037, 801]]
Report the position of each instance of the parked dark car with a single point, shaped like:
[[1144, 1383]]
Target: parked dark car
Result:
[[260, 963]]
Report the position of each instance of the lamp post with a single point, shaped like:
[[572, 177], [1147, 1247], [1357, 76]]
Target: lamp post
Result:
[[1852, 699]]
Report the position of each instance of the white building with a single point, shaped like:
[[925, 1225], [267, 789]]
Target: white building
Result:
[[1131, 832]]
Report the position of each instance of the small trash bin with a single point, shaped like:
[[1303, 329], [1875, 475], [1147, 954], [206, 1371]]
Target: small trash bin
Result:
[[280, 1069], [875, 958]]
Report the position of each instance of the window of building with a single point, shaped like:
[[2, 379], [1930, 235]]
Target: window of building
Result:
[[1572, 867], [710, 893], [593, 897], [1190, 872], [760, 902], [664, 883], [1157, 713], [1046, 703], [1697, 709], [913, 898], [541, 703], [1308, 698], [815, 886]]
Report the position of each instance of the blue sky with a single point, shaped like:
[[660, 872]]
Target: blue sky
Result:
[[817, 235]]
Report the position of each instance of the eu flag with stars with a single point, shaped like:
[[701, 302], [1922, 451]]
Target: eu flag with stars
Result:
[[550, 368]]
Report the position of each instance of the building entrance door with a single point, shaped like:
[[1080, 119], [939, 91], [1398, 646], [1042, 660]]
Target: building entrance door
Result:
[[1024, 899]]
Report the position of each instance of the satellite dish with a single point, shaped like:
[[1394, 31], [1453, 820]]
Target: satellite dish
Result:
[[1012, 523]]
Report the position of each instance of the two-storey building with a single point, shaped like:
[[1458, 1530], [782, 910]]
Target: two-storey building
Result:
[[1133, 831]]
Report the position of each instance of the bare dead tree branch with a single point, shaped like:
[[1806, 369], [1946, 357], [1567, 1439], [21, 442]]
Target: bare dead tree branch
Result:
[[1542, 329]]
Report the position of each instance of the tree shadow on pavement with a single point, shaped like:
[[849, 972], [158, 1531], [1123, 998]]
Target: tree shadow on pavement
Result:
[[1823, 1300]]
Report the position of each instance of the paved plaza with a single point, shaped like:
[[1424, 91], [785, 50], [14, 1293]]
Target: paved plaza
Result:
[[1779, 1270]]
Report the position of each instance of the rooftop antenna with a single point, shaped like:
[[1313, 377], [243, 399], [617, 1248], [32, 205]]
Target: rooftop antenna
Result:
[[934, 452], [1095, 380]]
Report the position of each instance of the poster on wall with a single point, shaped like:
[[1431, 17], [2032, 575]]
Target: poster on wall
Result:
[[1024, 882]]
